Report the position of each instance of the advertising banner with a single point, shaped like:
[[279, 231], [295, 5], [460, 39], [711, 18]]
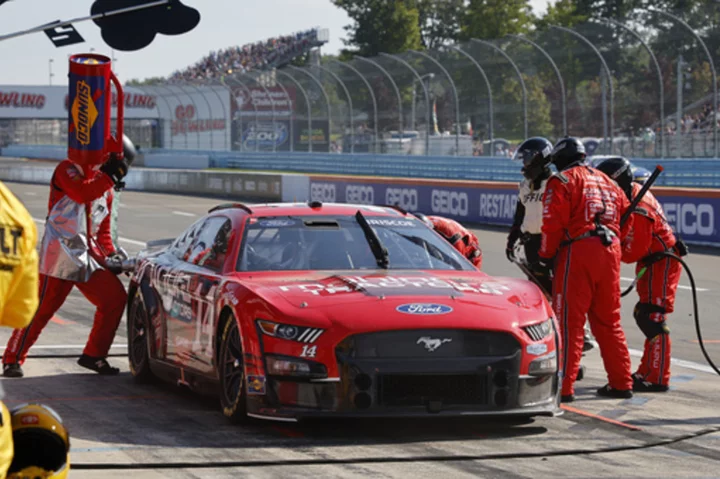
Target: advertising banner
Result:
[[693, 214], [248, 101], [261, 135]]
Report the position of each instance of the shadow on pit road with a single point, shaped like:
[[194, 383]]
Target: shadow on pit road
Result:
[[116, 410]]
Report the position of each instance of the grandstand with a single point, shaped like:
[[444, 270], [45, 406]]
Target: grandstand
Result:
[[271, 53]]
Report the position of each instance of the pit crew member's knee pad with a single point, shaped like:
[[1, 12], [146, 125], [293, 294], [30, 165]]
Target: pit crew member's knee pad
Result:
[[650, 328]]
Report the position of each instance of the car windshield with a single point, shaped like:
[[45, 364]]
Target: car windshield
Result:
[[295, 243]]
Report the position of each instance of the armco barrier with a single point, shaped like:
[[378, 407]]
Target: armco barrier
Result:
[[691, 173], [693, 213], [233, 186]]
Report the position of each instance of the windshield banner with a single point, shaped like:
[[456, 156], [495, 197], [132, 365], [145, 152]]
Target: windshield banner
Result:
[[693, 214]]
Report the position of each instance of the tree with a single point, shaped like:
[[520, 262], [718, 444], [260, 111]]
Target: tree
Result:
[[381, 26], [146, 81], [440, 21], [490, 19], [564, 13]]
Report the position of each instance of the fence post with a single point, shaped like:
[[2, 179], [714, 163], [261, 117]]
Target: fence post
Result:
[[609, 79], [350, 105], [427, 97], [712, 70], [557, 73], [307, 102], [397, 92], [517, 71], [371, 93]]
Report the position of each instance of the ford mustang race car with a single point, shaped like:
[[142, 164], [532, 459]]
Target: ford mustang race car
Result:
[[289, 311]]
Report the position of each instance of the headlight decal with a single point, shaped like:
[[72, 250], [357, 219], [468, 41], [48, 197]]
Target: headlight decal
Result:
[[539, 331], [290, 332]]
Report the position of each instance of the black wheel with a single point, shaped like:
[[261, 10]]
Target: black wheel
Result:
[[232, 373], [137, 333]]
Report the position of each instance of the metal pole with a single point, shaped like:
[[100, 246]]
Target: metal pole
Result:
[[307, 102], [50, 73], [327, 98], [249, 94], [489, 88], [712, 70], [517, 71], [233, 96], [427, 97], [557, 73], [224, 110], [272, 106], [679, 110], [609, 79], [397, 92], [455, 93], [350, 105], [659, 74], [210, 131], [370, 91], [291, 114]]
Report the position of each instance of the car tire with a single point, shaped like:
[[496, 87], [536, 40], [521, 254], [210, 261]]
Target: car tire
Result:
[[137, 333], [231, 368]]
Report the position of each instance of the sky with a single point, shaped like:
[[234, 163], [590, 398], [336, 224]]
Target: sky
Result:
[[25, 60]]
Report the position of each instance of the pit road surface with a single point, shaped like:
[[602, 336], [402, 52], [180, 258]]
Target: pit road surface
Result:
[[114, 420]]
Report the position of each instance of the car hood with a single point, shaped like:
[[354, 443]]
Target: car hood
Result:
[[398, 299]]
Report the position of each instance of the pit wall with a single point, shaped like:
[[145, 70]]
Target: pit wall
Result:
[[693, 212]]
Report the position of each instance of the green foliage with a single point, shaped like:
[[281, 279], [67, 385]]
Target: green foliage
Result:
[[564, 13], [147, 81], [440, 21], [490, 19], [381, 26]]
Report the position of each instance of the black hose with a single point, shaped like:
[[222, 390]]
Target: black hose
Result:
[[657, 257]]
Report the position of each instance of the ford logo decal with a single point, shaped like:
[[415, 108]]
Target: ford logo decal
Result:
[[423, 308]]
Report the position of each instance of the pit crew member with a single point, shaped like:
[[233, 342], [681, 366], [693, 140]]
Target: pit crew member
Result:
[[70, 257], [457, 235], [581, 236], [656, 288]]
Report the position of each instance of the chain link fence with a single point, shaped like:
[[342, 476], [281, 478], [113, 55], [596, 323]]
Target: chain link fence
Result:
[[642, 86]]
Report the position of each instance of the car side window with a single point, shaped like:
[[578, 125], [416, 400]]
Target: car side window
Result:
[[210, 245], [180, 247]]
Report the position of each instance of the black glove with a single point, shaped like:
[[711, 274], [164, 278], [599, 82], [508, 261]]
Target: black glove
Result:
[[542, 268], [511, 240], [114, 263], [681, 248], [115, 169]]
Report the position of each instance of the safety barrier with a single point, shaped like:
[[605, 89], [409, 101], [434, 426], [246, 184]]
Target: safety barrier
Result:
[[691, 173], [693, 213]]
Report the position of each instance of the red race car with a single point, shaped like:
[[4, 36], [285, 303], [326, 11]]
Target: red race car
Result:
[[290, 311]]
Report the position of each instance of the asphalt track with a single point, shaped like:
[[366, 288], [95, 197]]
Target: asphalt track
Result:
[[114, 421]]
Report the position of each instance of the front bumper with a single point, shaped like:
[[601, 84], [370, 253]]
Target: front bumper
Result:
[[385, 381]]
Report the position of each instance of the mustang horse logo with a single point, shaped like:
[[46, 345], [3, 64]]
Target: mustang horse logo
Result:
[[431, 344]]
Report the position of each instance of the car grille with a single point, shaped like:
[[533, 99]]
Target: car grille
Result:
[[428, 344], [418, 390]]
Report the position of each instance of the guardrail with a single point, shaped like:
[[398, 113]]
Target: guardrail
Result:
[[687, 173]]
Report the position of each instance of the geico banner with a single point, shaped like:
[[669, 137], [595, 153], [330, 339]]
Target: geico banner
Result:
[[484, 203], [692, 214], [50, 102], [196, 117]]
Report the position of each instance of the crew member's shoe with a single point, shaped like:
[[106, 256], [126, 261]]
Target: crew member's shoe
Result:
[[581, 373], [609, 392], [12, 370], [642, 386], [567, 398], [99, 365]]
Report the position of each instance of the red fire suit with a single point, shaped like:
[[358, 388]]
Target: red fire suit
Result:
[[587, 273], [102, 288], [457, 235], [656, 289]]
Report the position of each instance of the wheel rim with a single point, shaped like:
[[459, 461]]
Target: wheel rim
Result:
[[233, 371], [138, 340]]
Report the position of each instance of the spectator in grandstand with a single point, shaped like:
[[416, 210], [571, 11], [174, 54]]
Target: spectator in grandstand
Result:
[[270, 53]]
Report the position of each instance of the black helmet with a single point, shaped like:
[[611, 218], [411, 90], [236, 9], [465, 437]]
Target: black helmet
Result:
[[424, 219], [567, 152], [620, 170], [535, 156]]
